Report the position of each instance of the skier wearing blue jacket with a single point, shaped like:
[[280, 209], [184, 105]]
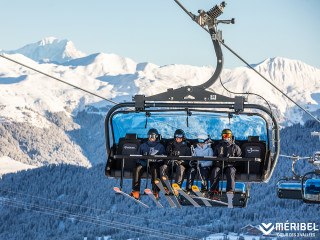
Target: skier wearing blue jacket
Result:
[[151, 147], [203, 149]]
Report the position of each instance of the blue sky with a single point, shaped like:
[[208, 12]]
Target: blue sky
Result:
[[161, 33]]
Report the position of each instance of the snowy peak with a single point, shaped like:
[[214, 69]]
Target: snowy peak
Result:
[[48, 40], [50, 50], [289, 73], [283, 64], [105, 64]]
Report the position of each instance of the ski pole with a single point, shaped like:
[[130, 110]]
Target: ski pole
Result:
[[171, 175], [147, 173], [122, 173], [199, 172], [222, 169]]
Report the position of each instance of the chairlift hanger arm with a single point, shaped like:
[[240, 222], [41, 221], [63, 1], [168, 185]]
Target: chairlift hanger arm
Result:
[[209, 22]]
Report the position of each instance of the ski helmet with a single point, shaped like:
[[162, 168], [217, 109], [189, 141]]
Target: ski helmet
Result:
[[226, 133], [202, 138], [153, 133], [179, 133]]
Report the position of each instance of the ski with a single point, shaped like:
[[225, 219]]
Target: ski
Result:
[[186, 196], [171, 192], [196, 190], [150, 194], [211, 201], [118, 191], [230, 200], [160, 186]]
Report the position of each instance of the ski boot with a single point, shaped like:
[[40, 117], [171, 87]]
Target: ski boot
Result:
[[214, 195], [156, 194], [135, 194], [204, 193], [167, 190]]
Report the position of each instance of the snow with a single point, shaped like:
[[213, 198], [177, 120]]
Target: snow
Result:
[[235, 236], [50, 48], [117, 78], [8, 165], [18, 114]]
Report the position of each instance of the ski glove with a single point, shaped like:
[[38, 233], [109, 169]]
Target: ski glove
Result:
[[192, 163]]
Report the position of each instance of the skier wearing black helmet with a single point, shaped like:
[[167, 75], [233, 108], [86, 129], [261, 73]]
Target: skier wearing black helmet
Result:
[[178, 147], [151, 147], [227, 148]]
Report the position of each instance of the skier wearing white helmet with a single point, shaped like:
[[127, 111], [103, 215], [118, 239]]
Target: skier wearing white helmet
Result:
[[203, 149]]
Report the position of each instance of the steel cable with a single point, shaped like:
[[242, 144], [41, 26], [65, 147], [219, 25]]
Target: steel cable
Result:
[[142, 230], [57, 79], [263, 77], [50, 214], [105, 211]]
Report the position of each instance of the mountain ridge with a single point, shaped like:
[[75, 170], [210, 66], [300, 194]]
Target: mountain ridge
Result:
[[49, 49], [119, 78]]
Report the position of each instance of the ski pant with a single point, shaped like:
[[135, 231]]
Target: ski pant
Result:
[[154, 169], [191, 174], [180, 170], [231, 178]]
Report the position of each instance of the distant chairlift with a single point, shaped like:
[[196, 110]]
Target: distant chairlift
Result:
[[302, 187]]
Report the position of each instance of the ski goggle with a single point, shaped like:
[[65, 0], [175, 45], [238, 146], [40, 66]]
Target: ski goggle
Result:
[[153, 136], [201, 140], [178, 136], [226, 135]]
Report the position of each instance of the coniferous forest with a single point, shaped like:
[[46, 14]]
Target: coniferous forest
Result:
[[61, 201]]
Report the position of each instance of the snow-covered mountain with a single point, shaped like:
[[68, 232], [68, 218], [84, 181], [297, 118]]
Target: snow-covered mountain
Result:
[[119, 78], [28, 98], [50, 49]]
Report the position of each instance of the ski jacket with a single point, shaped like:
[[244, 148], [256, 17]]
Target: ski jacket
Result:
[[204, 151], [224, 149], [178, 149], [150, 148]]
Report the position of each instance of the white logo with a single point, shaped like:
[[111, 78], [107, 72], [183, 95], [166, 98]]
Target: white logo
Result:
[[213, 97], [266, 228], [128, 147], [250, 150], [153, 151]]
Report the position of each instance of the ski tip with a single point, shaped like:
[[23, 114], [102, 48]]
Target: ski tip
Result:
[[175, 186], [147, 191], [116, 189], [156, 181], [164, 178], [195, 188]]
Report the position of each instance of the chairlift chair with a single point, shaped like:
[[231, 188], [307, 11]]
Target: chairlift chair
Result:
[[259, 155]]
